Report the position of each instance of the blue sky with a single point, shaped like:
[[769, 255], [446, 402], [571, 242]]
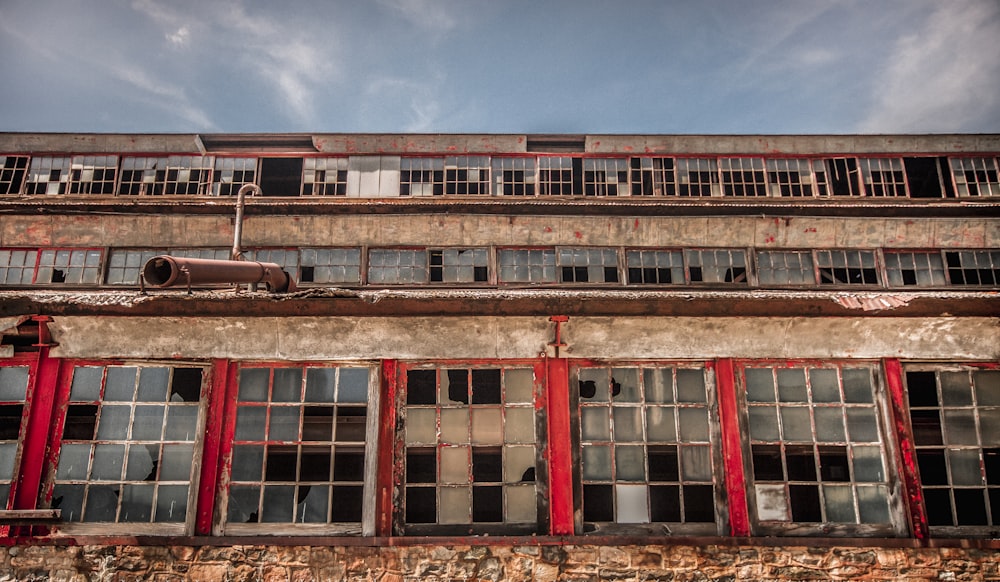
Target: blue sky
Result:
[[726, 66]]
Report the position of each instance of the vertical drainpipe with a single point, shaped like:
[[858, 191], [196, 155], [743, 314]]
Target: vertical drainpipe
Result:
[[238, 229]]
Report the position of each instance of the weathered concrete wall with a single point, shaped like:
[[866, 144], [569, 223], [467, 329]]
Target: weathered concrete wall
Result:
[[366, 338], [145, 230], [496, 562]]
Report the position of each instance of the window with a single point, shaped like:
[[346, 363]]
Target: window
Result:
[[797, 178], [287, 259], [955, 418], [652, 267], [883, 176], [817, 450], [48, 266], [93, 174], [48, 175], [467, 175], [299, 455], [653, 177], [588, 265], [514, 176], [401, 266], [716, 265], [324, 177], [13, 396], [470, 450], [743, 177], [648, 448], [846, 267], [844, 177], [976, 176], [697, 177], [973, 267], [125, 265], [605, 177], [12, 171], [824, 267], [559, 176], [527, 266], [281, 176], [785, 268], [318, 265], [231, 174], [167, 176], [920, 269], [128, 448], [421, 177]]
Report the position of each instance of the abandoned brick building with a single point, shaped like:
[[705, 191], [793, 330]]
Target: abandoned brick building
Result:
[[501, 356]]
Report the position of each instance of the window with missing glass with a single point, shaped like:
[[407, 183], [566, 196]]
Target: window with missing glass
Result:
[[978, 176], [697, 177], [955, 418], [50, 266], [605, 177], [649, 449], [531, 266], [467, 175], [324, 176], [470, 437], [12, 172], [655, 267], [883, 177], [165, 176], [797, 178], [48, 175], [231, 174], [13, 403], [128, 448], [330, 265], [588, 265], [817, 452], [93, 174], [818, 267], [421, 177], [653, 177], [915, 269], [428, 266], [743, 177], [300, 454], [514, 176]]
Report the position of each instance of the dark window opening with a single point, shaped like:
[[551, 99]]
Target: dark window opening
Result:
[[421, 505], [487, 465], [598, 503], [458, 385], [921, 389], [925, 178], [486, 386], [699, 503], [351, 423], [315, 464], [186, 384], [281, 176], [58, 276], [662, 462], [348, 465], [421, 387], [767, 463], [10, 421], [938, 504], [695, 273], [805, 503], [970, 506], [281, 461], [487, 504], [843, 176], [933, 470], [348, 502], [926, 427], [317, 423], [665, 503], [81, 420], [307, 274], [421, 466]]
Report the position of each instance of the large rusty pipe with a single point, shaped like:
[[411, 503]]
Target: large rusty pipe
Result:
[[166, 271]]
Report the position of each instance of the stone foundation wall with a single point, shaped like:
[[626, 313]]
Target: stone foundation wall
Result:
[[494, 563]]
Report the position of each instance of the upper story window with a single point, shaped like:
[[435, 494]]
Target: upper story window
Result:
[[467, 175], [419, 266], [605, 176], [421, 177], [743, 177], [319, 265], [514, 176], [230, 174], [818, 453], [300, 460], [883, 176], [680, 267], [649, 448], [48, 175], [125, 265], [583, 265], [47, 266], [527, 266], [128, 447], [471, 450], [12, 173], [976, 176], [13, 396], [955, 419], [697, 177], [165, 176], [820, 267], [653, 177], [973, 267], [93, 174], [560, 176], [797, 178], [324, 176]]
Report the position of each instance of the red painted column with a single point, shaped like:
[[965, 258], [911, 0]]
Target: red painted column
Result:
[[385, 473], [211, 457], [732, 448], [41, 398], [907, 452], [560, 453]]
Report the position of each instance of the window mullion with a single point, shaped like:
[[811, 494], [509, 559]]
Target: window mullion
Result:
[[214, 446], [732, 448]]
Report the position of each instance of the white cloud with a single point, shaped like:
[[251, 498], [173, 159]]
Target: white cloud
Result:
[[180, 37], [433, 15], [414, 103], [944, 76]]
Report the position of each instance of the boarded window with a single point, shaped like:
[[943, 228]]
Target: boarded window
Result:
[[955, 416], [648, 446]]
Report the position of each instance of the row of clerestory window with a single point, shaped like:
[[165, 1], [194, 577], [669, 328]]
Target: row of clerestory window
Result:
[[413, 177]]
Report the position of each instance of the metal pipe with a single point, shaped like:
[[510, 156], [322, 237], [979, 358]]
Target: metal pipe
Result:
[[166, 271], [238, 229]]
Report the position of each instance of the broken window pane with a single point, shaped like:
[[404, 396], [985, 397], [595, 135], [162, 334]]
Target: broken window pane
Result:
[[13, 392], [883, 176], [513, 176], [93, 174], [653, 177], [560, 176], [785, 268], [743, 177], [976, 176], [648, 267], [919, 269], [48, 175], [716, 266], [467, 175], [324, 176], [846, 267], [973, 267], [697, 177], [605, 176], [231, 174], [421, 176], [579, 265], [796, 177], [12, 173], [170, 175]]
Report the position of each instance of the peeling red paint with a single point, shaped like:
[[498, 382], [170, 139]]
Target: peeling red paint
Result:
[[810, 229], [907, 454], [732, 448], [548, 229], [637, 224], [769, 239], [577, 234]]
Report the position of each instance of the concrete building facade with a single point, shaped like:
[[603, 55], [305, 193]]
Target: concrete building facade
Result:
[[505, 357]]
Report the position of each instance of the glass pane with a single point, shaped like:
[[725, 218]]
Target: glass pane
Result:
[[248, 463], [102, 503], [148, 424], [596, 463], [142, 462], [487, 426], [284, 423], [454, 425], [7, 452], [519, 425], [658, 383], [696, 463], [825, 387], [792, 386], [760, 385], [120, 384], [987, 387], [519, 464], [253, 384], [137, 503], [153, 384], [989, 422], [74, 461], [521, 504], [956, 390], [518, 384], [421, 425], [86, 384], [631, 504], [250, 423], [965, 468], [353, 386], [829, 424], [114, 422], [857, 385], [595, 423], [314, 507], [456, 505], [454, 465], [862, 426], [108, 462], [171, 503], [320, 384], [660, 423], [13, 382], [960, 428], [868, 465], [764, 423], [693, 425], [630, 463], [182, 423], [287, 385], [594, 384], [176, 464], [795, 423], [690, 386], [772, 502], [873, 504], [625, 384], [839, 503], [627, 423]]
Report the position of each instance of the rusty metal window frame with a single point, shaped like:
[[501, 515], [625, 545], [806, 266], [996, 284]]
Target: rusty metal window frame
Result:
[[883, 177], [594, 265], [526, 266], [915, 268], [649, 443], [653, 176], [467, 175], [973, 268], [93, 174], [655, 267], [743, 177], [976, 176], [129, 447], [817, 449], [697, 177], [606, 177], [48, 175], [325, 176], [14, 383], [514, 176], [796, 177], [825, 267], [229, 174], [559, 176], [469, 443], [428, 265], [13, 171], [303, 455], [954, 417], [421, 176], [318, 265], [51, 266], [727, 266], [165, 175]]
